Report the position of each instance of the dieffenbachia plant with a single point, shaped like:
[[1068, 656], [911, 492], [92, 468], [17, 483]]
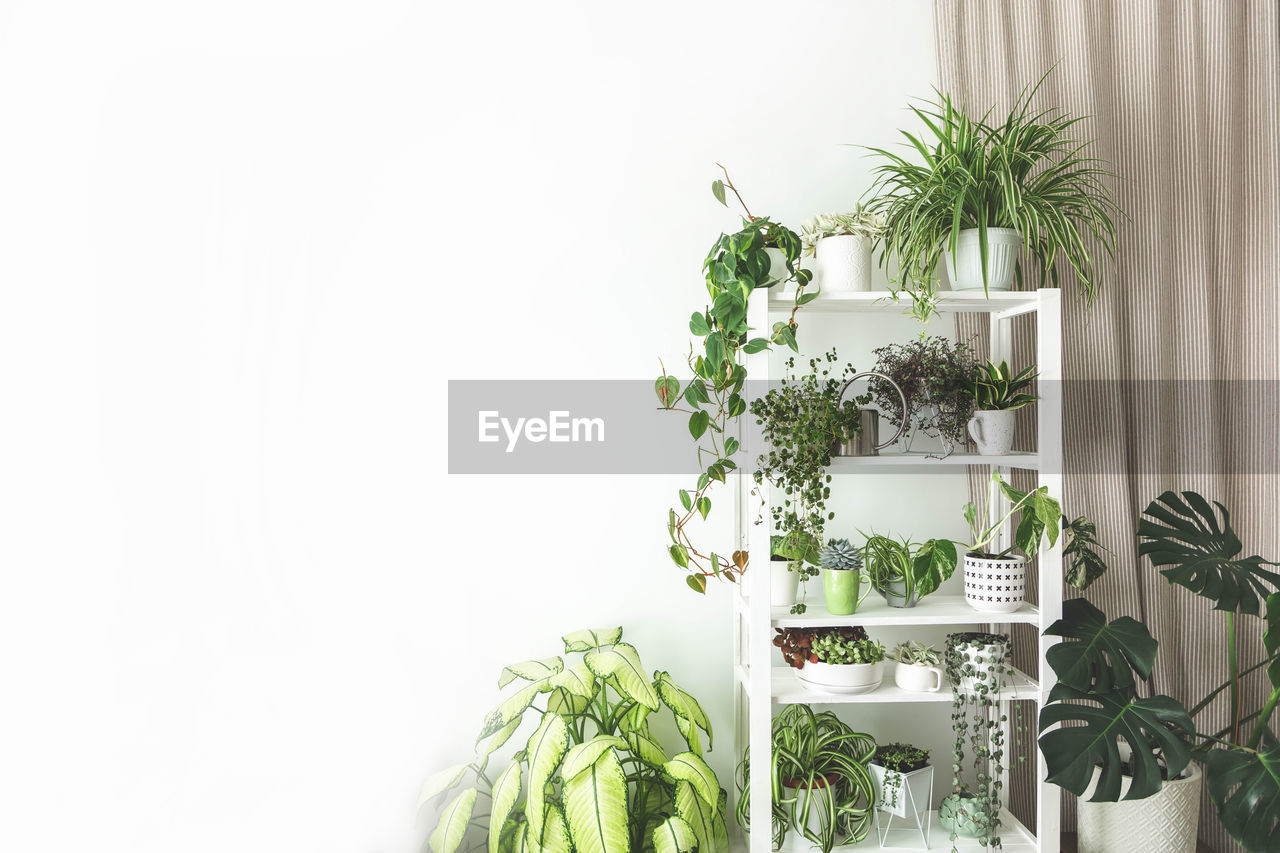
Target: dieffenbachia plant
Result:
[[1101, 667], [593, 776], [737, 265]]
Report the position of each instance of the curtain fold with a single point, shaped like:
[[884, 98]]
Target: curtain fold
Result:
[[1171, 375]]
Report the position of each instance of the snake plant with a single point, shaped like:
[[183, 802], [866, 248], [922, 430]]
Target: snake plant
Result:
[[594, 776], [996, 388]]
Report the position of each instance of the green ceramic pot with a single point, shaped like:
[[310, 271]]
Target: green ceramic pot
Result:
[[840, 589]]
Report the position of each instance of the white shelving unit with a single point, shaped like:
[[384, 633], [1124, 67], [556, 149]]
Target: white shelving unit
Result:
[[760, 685]]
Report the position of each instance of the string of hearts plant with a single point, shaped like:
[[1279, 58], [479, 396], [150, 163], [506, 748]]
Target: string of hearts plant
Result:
[[737, 265]]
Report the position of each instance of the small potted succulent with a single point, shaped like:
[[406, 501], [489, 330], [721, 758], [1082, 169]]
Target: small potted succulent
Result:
[[841, 665], [792, 559], [841, 566], [841, 246], [904, 780], [997, 394], [904, 572], [919, 667]]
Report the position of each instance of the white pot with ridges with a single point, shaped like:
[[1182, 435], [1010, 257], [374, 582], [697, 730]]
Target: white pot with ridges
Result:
[[843, 263], [1166, 821], [964, 267]]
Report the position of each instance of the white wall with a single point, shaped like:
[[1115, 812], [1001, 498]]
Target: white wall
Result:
[[243, 246]]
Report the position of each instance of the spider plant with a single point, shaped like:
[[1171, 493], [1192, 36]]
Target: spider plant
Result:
[[1029, 173], [901, 569], [821, 785]]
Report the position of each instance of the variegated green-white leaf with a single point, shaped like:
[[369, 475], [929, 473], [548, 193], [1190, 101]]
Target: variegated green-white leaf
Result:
[[636, 719], [690, 768], [507, 839], [566, 704], [555, 831], [690, 733], [506, 790], [514, 706], [591, 639], [698, 813], [595, 802], [452, 826], [546, 747], [576, 679], [674, 835], [684, 706], [530, 670], [621, 664], [587, 753], [720, 832], [499, 738], [440, 782], [523, 844], [646, 749]]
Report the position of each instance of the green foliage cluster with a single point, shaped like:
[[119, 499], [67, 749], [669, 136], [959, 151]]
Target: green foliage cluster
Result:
[[913, 652], [839, 650], [994, 387]]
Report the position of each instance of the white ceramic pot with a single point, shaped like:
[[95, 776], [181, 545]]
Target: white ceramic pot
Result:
[[995, 585], [783, 583], [843, 263], [983, 659], [919, 678], [992, 431], [1166, 822], [911, 794], [841, 677], [795, 839], [965, 267], [778, 270]]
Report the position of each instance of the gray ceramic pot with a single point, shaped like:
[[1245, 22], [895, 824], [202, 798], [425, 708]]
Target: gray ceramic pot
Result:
[[896, 595]]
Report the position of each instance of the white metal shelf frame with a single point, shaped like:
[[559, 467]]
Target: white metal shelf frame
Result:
[[756, 683]]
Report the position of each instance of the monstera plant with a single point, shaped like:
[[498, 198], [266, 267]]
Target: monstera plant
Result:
[[1099, 701], [593, 776]]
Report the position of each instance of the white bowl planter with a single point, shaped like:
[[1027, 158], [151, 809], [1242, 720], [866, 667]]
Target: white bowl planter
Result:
[[841, 677], [995, 585], [919, 678], [783, 583], [965, 267], [1166, 822], [843, 263], [992, 431]]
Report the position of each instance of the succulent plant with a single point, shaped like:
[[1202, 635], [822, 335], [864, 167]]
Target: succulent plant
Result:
[[840, 555], [914, 652]]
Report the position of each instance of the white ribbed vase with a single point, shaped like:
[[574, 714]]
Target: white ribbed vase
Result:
[[965, 267], [1166, 822]]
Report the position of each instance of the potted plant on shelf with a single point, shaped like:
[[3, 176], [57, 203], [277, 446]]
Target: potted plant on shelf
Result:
[[567, 788], [904, 780], [978, 668], [841, 566], [792, 559], [1153, 788], [984, 191], [935, 375], [841, 246], [843, 665], [997, 394], [903, 572], [802, 419], [919, 667], [796, 644], [821, 787]]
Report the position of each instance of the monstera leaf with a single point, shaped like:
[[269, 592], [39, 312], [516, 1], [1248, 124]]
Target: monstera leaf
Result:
[[1245, 787], [1072, 751], [1185, 534], [1106, 655], [1271, 638]]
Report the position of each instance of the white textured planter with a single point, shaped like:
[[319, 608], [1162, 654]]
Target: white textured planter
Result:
[[983, 659], [783, 583], [914, 792], [992, 431], [919, 678], [841, 677], [843, 263], [1166, 822], [965, 267], [995, 585]]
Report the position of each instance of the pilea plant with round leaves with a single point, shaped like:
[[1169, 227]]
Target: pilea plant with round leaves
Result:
[[737, 265], [797, 644], [593, 776], [978, 667]]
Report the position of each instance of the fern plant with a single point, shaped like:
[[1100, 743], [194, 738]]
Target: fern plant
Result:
[[593, 776]]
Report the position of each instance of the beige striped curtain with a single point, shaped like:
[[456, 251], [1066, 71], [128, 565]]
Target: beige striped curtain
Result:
[[1171, 375]]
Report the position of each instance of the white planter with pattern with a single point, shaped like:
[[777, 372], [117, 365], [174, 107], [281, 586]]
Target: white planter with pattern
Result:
[[1166, 822], [995, 585], [992, 431], [843, 263]]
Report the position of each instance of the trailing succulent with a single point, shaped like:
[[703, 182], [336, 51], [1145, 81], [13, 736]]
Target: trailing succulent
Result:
[[840, 555], [593, 776], [797, 644]]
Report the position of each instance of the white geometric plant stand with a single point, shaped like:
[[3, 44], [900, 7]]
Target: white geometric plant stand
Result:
[[909, 808]]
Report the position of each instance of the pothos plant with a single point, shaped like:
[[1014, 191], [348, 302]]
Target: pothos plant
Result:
[[737, 265], [594, 775]]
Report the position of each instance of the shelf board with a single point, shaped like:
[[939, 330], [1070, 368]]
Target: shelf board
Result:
[[932, 610], [879, 301], [1014, 837], [787, 689], [956, 463]]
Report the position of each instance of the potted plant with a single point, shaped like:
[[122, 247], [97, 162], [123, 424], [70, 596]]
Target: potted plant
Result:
[[802, 419], [978, 667], [792, 559], [841, 246], [984, 191], [935, 375], [841, 665], [567, 788], [903, 572], [1154, 787], [821, 787], [997, 394], [841, 566], [904, 780], [919, 667], [796, 644]]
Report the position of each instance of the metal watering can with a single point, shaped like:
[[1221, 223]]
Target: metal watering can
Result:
[[866, 442]]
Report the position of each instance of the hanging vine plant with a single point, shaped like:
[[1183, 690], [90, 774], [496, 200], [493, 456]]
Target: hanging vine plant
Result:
[[737, 264]]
